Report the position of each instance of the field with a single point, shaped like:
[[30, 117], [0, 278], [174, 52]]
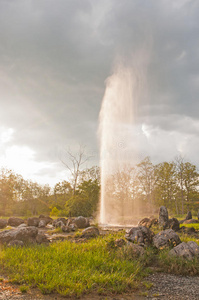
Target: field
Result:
[[74, 268]]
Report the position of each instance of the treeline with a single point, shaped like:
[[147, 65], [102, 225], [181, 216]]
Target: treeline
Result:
[[173, 184], [26, 198]]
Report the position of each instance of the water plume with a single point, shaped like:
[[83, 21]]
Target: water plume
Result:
[[116, 119]]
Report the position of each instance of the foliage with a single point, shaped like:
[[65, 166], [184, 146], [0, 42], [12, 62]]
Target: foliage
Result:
[[71, 269]]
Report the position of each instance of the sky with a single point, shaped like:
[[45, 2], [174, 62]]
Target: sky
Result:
[[55, 57]]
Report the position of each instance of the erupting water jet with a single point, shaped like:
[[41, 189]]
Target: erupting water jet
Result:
[[116, 118]]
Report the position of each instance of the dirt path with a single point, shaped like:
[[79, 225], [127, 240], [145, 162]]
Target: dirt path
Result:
[[165, 286]]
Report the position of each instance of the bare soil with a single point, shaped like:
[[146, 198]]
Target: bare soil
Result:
[[165, 286]]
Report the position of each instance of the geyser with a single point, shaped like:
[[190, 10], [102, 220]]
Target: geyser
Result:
[[116, 118]]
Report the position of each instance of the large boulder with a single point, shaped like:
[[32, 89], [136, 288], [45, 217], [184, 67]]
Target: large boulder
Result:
[[24, 234], [3, 223], [166, 238], [90, 232], [33, 221], [163, 217], [186, 250], [14, 222], [188, 216], [140, 235], [173, 224], [81, 222]]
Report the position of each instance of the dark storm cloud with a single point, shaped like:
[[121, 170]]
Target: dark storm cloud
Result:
[[56, 55]]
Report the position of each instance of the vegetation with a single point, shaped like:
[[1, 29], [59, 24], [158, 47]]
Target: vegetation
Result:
[[96, 265], [173, 184]]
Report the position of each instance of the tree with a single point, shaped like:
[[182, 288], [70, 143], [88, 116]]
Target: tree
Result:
[[85, 200], [166, 188], [147, 179], [74, 162]]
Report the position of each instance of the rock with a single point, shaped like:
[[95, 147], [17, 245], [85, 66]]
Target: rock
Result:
[[191, 221], [41, 238], [26, 235], [63, 220], [16, 243], [186, 250], [15, 221], [148, 222], [133, 250], [166, 238], [120, 242], [59, 224], [3, 223], [173, 224], [33, 221], [140, 235], [188, 216], [81, 222], [42, 223], [163, 217], [66, 228], [198, 215], [187, 230], [90, 232], [46, 219], [22, 225], [73, 227]]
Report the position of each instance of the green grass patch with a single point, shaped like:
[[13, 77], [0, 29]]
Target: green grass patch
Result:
[[72, 269]]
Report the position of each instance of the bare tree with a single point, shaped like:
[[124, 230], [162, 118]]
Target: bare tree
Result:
[[73, 162]]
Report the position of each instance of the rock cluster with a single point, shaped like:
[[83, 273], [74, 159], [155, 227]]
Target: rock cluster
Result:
[[143, 236]]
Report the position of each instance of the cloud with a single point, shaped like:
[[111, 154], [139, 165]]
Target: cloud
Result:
[[56, 55]]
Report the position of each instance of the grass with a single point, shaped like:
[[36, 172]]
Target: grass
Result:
[[96, 265], [72, 269]]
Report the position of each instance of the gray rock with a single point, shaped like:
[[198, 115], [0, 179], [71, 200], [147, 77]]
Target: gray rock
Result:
[[81, 222], [47, 219], [166, 238], [3, 223], [90, 232], [148, 222], [73, 227], [133, 250], [140, 235], [163, 217], [63, 220], [14, 222], [33, 221], [26, 235], [41, 238], [188, 216], [59, 224], [66, 228], [188, 230], [22, 225], [186, 250], [173, 224], [16, 243], [42, 223]]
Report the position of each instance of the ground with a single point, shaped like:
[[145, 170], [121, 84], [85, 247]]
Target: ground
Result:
[[165, 286]]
